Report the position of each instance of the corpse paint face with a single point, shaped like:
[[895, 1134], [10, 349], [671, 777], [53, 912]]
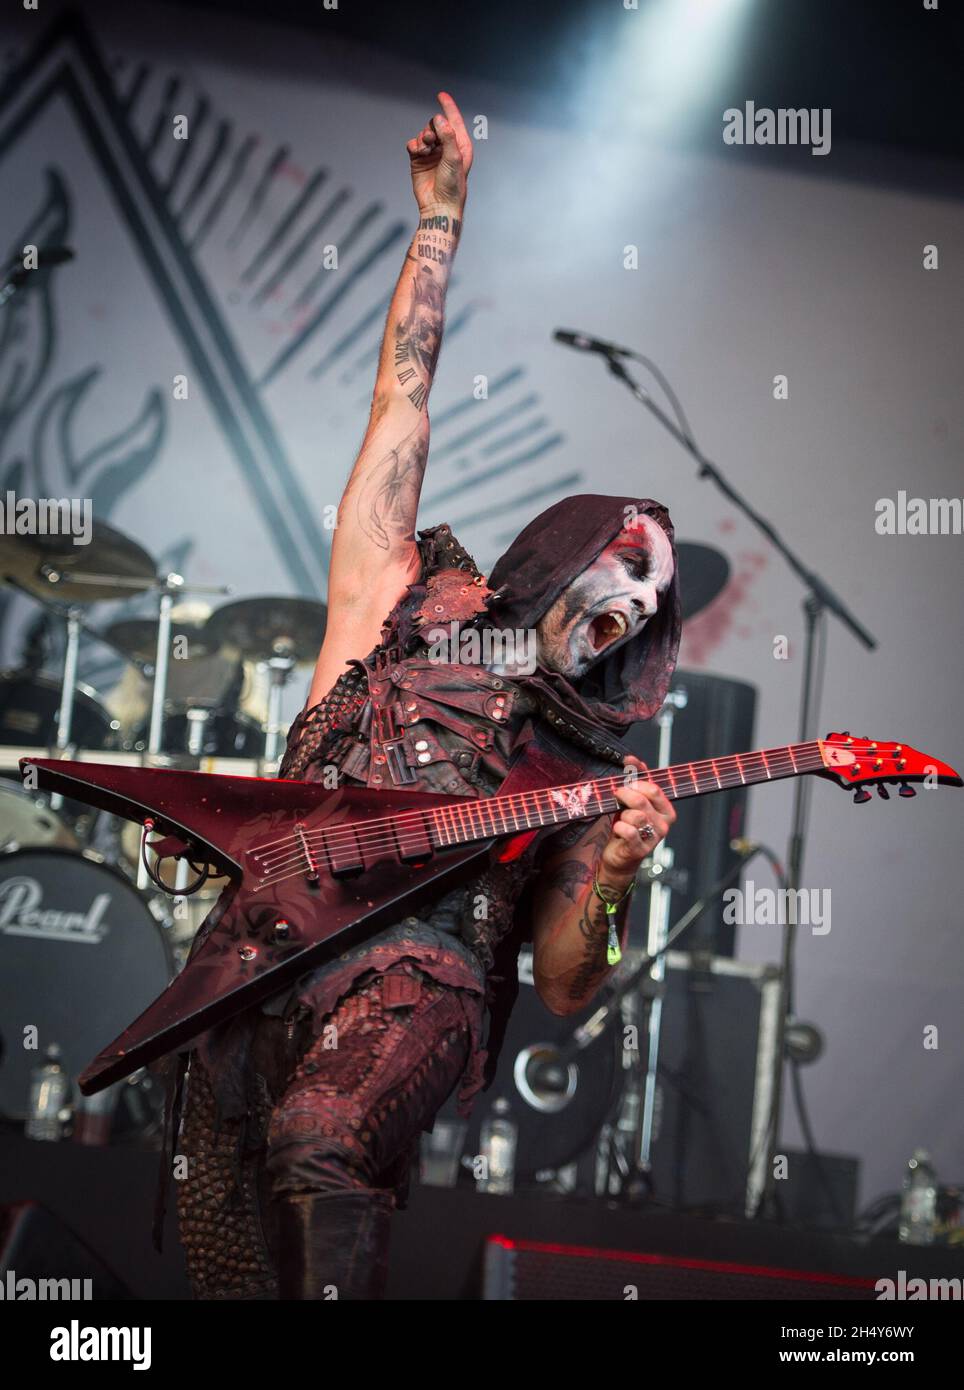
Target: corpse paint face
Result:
[[610, 602]]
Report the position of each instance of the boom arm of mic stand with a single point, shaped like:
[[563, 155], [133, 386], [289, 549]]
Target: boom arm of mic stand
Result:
[[707, 469]]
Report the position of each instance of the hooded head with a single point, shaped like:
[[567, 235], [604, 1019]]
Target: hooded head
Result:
[[596, 578]]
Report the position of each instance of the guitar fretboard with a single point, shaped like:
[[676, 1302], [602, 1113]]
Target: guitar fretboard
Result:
[[502, 815]]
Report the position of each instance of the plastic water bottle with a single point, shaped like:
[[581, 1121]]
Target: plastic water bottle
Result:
[[918, 1207], [49, 1088], [497, 1140]]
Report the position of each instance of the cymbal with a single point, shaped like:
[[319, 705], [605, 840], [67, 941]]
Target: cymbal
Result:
[[703, 572], [51, 567], [271, 626], [137, 638]]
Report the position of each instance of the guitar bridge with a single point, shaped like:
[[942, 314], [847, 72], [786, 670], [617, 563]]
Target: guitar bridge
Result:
[[311, 868]]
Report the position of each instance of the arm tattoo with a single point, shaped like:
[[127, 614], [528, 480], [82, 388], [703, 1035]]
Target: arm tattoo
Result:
[[569, 877], [387, 500], [595, 962], [418, 337]]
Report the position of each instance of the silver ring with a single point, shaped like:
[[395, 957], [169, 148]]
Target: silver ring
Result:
[[647, 831]]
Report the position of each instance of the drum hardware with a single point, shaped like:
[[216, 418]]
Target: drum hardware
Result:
[[279, 632], [280, 668], [197, 719], [136, 639]]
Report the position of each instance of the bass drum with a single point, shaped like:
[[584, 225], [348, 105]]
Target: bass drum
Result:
[[30, 703], [81, 955]]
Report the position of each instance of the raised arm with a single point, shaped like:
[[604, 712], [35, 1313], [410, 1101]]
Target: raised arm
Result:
[[374, 555]]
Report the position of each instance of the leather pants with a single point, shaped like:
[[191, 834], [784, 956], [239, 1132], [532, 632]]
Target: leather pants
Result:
[[306, 1211]]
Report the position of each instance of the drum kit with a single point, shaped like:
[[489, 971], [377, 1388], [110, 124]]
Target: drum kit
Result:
[[86, 941]]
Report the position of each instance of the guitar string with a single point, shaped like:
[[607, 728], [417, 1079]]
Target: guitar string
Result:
[[353, 840], [359, 833], [351, 834], [769, 755]]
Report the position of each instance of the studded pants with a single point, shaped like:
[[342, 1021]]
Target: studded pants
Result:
[[295, 1201]]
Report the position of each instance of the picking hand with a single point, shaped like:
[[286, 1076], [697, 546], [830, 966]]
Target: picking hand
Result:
[[441, 156]]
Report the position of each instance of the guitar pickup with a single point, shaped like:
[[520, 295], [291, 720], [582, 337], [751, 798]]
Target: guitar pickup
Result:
[[344, 854], [412, 838]]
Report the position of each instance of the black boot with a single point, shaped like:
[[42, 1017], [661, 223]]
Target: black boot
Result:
[[333, 1244]]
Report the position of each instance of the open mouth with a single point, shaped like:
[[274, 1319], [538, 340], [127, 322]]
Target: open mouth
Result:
[[606, 629]]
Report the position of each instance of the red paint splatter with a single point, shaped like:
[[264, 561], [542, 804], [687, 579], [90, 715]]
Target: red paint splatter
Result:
[[707, 631], [294, 172]]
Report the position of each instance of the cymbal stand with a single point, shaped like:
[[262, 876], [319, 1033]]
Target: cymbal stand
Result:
[[280, 666]]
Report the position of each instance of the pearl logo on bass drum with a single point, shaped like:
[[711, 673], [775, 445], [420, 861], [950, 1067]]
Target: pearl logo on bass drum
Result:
[[22, 914]]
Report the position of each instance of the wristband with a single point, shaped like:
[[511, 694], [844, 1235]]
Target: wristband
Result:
[[613, 952]]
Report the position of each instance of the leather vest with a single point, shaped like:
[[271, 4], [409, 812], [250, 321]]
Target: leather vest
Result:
[[403, 717]]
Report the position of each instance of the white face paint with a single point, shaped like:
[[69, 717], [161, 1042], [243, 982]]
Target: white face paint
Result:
[[610, 602]]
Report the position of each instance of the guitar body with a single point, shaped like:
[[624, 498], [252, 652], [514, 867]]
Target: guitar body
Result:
[[275, 926]]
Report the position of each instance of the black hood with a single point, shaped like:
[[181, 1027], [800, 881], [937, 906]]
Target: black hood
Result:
[[631, 683]]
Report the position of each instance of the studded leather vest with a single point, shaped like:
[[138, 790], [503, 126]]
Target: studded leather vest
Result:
[[403, 717]]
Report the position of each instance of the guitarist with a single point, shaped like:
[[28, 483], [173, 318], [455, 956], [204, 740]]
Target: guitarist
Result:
[[301, 1117]]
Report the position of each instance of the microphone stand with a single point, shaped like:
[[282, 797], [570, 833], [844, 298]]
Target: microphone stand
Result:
[[818, 601], [637, 1177]]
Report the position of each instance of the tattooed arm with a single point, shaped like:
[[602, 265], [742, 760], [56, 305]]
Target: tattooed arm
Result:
[[571, 926], [374, 555]]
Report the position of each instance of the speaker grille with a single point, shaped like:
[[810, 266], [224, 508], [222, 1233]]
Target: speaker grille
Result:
[[525, 1269]]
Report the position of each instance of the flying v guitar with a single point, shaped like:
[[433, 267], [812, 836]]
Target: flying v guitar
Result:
[[314, 869]]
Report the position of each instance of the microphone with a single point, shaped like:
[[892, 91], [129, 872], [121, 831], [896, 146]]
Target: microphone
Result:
[[584, 343]]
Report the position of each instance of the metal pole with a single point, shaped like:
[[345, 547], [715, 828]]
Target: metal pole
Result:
[[658, 926]]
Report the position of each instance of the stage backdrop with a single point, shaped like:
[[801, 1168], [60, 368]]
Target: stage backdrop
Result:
[[209, 258]]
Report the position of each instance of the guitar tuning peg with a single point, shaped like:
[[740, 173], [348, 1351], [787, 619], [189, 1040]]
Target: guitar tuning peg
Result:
[[882, 792], [861, 794], [906, 790]]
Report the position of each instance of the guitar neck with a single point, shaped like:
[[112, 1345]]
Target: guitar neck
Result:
[[503, 815]]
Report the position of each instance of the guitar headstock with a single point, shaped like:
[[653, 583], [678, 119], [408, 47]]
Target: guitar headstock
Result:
[[861, 762]]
